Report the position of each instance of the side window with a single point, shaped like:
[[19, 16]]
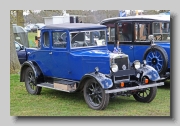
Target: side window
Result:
[[59, 39], [161, 31], [124, 32], [46, 39], [111, 32], [141, 32]]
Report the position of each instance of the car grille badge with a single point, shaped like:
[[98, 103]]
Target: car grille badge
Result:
[[124, 67]]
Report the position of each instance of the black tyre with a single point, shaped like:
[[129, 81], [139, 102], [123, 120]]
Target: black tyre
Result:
[[95, 96], [157, 57], [30, 82], [146, 95]]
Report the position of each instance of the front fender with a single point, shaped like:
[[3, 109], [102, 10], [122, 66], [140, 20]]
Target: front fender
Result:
[[150, 72], [104, 81]]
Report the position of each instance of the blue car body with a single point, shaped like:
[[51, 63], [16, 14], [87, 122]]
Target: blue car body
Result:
[[136, 48], [72, 58]]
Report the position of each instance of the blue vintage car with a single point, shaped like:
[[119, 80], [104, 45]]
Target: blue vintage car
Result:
[[132, 32], [21, 53], [72, 58]]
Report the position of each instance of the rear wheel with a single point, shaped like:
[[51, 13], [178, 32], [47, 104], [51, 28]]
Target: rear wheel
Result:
[[146, 95], [95, 95], [30, 82]]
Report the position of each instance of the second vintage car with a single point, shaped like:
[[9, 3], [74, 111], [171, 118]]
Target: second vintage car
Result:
[[69, 59], [132, 32]]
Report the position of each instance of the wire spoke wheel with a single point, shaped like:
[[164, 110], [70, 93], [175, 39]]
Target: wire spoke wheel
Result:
[[95, 96], [30, 82], [146, 95]]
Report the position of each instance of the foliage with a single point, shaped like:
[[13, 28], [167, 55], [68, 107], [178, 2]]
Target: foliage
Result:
[[86, 16]]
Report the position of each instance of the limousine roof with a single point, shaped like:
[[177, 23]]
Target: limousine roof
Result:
[[139, 18]]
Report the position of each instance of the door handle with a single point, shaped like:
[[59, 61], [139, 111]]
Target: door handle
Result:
[[50, 53], [131, 47]]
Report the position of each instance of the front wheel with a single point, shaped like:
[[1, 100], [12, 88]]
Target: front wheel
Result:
[[146, 95], [95, 95], [30, 82]]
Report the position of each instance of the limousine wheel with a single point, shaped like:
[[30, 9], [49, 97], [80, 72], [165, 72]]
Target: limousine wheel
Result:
[[30, 82], [157, 58], [95, 96], [146, 95]]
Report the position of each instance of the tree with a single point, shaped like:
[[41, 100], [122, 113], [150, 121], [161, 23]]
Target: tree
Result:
[[14, 62], [150, 12], [20, 18], [162, 11]]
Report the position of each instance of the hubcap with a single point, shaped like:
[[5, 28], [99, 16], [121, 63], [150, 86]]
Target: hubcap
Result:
[[31, 80], [154, 61]]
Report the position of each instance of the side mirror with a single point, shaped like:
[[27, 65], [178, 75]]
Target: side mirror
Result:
[[22, 47], [151, 37]]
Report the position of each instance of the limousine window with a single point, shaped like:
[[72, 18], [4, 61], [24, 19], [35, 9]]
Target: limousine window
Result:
[[161, 31], [124, 32], [141, 32]]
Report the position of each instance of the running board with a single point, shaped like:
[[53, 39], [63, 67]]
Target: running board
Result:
[[134, 88], [66, 86]]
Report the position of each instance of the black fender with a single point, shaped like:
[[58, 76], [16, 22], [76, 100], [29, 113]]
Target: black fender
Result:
[[102, 79], [37, 71], [150, 72]]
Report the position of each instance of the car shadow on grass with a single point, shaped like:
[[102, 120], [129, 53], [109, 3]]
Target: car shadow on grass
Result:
[[62, 94]]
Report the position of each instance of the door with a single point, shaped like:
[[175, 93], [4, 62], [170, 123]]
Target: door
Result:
[[43, 56], [60, 55], [141, 42]]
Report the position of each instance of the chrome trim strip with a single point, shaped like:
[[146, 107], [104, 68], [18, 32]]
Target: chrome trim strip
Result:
[[51, 88]]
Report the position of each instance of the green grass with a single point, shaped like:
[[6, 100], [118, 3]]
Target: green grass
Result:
[[31, 38], [57, 103]]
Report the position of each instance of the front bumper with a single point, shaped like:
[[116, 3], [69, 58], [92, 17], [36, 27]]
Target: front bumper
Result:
[[134, 88]]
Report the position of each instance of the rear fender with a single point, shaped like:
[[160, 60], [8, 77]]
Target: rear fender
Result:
[[37, 71]]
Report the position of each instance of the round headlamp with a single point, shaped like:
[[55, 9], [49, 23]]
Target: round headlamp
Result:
[[114, 67], [137, 64]]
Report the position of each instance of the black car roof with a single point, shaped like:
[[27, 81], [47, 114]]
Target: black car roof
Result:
[[71, 26], [140, 17]]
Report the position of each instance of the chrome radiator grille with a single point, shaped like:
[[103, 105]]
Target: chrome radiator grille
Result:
[[122, 61]]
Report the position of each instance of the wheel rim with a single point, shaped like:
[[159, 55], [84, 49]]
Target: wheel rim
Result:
[[143, 94], [155, 59], [94, 94], [31, 81]]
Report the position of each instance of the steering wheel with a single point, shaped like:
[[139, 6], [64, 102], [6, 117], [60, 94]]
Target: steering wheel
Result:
[[74, 44]]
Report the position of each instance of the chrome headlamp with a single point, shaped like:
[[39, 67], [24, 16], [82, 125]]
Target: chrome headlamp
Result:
[[114, 67], [136, 64]]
